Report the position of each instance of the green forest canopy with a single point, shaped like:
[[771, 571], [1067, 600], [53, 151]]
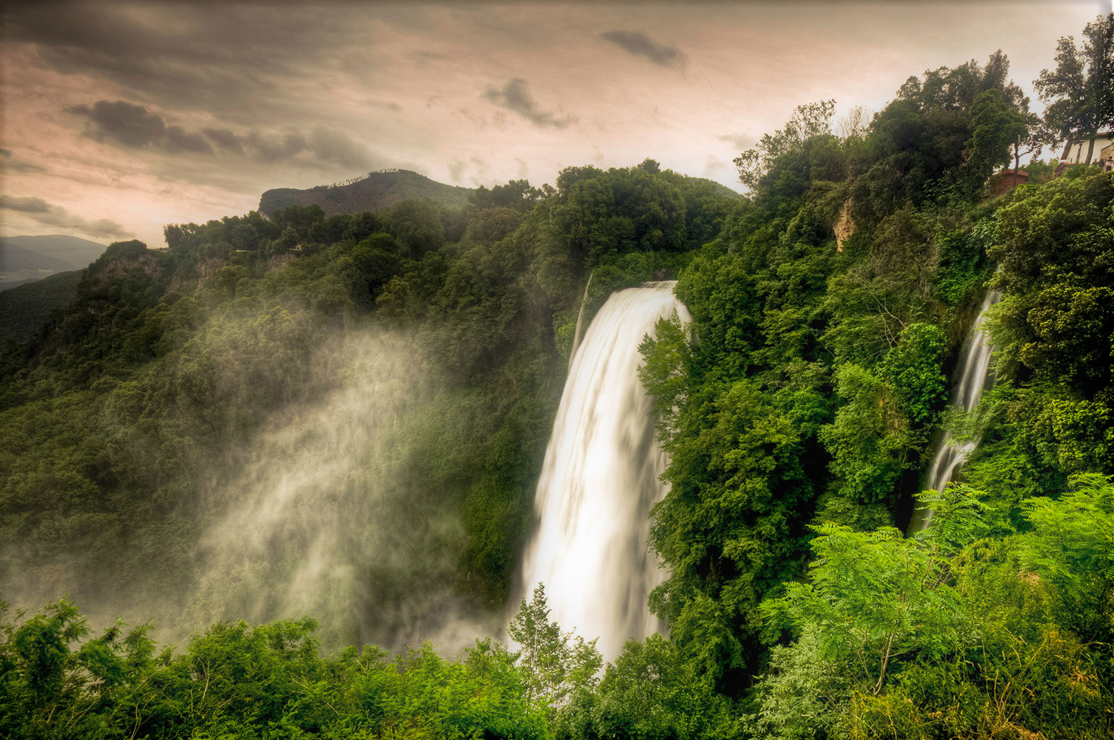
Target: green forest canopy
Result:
[[798, 409]]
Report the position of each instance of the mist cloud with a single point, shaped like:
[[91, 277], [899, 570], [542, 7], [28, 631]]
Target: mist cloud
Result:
[[49, 214], [641, 45], [516, 98]]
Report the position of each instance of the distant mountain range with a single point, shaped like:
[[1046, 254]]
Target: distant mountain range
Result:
[[377, 191], [25, 259]]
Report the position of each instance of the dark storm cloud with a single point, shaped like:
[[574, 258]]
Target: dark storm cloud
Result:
[[179, 140], [124, 123], [276, 147], [336, 147], [225, 139], [323, 145], [641, 45], [49, 214], [136, 127], [516, 98], [24, 205], [262, 147], [223, 58], [10, 163]]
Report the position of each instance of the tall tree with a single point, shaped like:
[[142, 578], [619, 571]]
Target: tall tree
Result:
[[1080, 91], [996, 127], [813, 119]]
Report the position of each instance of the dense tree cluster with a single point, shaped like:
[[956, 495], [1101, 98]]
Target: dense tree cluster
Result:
[[798, 408], [139, 401]]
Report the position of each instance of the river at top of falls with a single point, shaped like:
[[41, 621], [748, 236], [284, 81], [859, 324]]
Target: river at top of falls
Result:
[[601, 476], [974, 374]]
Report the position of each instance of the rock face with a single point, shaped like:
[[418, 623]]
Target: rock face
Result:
[[377, 191], [845, 226]]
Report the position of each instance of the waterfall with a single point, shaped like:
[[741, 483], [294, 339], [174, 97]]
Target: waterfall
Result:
[[974, 374], [600, 478], [579, 320]]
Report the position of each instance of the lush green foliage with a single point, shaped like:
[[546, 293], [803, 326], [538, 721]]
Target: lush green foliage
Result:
[[240, 681], [798, 408], [126, 424], [800, 404], [952, 634]]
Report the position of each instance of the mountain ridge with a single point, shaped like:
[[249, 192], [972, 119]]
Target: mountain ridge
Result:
[[29, 259], [26, 259]]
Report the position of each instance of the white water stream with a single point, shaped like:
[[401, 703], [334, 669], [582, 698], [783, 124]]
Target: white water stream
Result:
[[600, 478], [974, 372]]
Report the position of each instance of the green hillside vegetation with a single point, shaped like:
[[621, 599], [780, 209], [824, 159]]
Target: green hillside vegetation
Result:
[[373, 193], [798, 409], [26, 308]]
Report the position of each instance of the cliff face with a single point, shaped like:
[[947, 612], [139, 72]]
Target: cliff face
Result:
[[377, 191]]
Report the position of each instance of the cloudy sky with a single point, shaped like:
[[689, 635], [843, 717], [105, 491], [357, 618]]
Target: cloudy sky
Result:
[[117, 118]]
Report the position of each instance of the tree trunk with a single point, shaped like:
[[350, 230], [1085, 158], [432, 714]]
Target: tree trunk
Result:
[[1016, 164], [1090, 150]]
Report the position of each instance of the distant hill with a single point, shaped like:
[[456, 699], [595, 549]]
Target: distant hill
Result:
[[26, 308], [377, 191], [24, 259], [719, 188], [18, 266]]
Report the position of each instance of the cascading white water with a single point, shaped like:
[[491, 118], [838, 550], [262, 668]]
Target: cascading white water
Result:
[[974, 372], [579, 321], [600, 478]]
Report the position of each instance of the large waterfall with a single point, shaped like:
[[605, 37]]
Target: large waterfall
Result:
[[600, 479], [974, 372]]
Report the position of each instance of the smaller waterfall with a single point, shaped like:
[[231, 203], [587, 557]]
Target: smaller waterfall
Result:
[[580, 320], [600, 478], [974, 374]]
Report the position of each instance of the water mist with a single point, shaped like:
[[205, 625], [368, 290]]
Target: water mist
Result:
[[322, 518]]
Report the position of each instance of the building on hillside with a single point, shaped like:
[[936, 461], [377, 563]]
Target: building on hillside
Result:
[[1006, 180], [1106, 159], [1076, 150]]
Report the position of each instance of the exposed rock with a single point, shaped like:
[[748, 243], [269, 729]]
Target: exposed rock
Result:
[[845, 226]]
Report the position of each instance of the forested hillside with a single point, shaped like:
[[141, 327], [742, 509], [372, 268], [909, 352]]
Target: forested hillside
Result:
[[410, 362], [27, 307], [375, 192]]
